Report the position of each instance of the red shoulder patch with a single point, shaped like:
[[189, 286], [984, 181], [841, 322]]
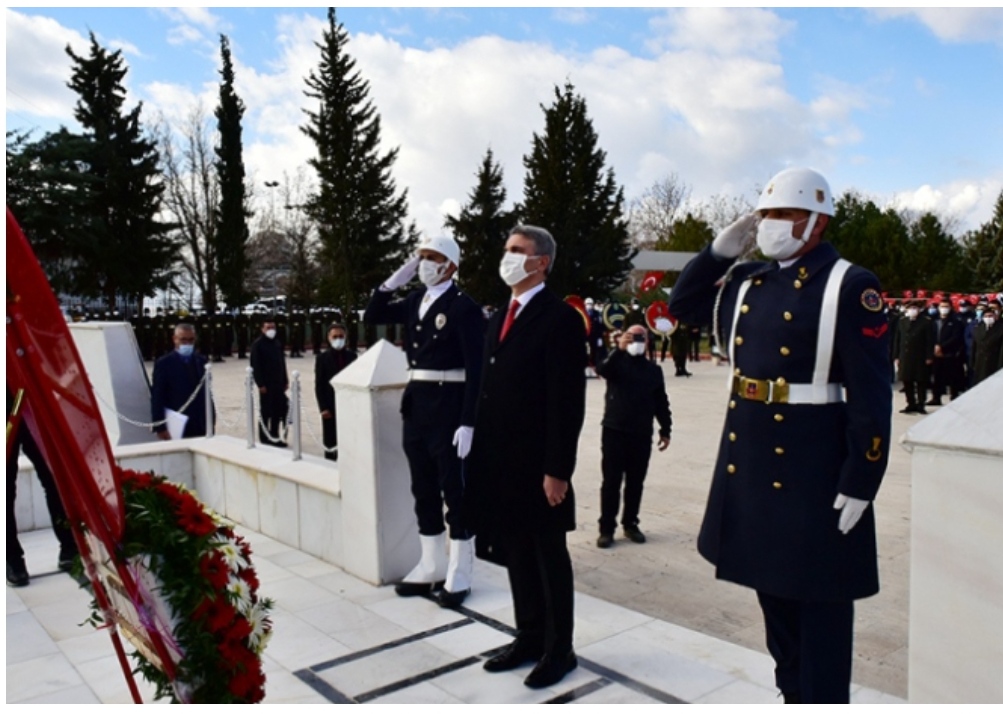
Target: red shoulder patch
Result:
[[875, 331]]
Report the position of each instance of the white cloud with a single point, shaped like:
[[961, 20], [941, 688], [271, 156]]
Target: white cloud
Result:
[[573, 15], [184, 34], [742, 31], [954, 24], [968, 203]]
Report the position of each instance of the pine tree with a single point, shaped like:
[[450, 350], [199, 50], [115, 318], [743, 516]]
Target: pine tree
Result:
[[232, 233], [569, 192], [481, 230], [983, 250], [126, 251], [358, 212]]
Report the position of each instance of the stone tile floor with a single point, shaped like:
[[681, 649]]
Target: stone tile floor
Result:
[[338, 639]]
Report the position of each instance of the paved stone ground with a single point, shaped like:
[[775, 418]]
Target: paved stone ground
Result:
[[666, 578]]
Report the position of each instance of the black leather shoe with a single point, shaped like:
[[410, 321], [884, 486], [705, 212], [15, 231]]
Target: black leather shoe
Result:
[[934, 403], [515, 655], [451, 599], [605, 540], [907, 410], [17, 574], [417, 589], [66, 558], [550, 670], [634, 533]]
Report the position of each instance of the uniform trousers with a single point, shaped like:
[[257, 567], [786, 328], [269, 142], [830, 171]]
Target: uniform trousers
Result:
[[330, 436], [812, 645], [25, 441], [436, 476], [915, 393], [625, 458], [543, 588]]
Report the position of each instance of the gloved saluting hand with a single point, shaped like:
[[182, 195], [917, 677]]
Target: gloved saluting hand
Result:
[[402, 276], [733, 240], [852, 509]]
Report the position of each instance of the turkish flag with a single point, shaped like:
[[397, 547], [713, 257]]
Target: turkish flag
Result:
[[651, 280]]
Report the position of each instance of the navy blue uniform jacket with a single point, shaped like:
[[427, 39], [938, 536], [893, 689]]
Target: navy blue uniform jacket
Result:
[[450, 336], [770, 522], [174, 381]]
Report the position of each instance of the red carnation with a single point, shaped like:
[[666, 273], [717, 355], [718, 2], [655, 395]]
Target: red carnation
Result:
[[213, 569], [194, 519], [217, 613], [249, 577]]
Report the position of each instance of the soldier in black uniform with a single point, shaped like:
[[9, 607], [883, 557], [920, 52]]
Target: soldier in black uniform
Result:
[[444, 341], [807, 431]]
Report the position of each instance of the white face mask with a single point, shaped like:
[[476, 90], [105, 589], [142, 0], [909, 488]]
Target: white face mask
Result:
[[989, 320], [776, 240], [430, 273], [338, 342], [945, 311], [513, 268], [635, 349], [912, 313], [270, 334], [186, 350]]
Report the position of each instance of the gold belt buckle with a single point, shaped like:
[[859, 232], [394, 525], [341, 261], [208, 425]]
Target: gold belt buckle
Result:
[[762, 390]]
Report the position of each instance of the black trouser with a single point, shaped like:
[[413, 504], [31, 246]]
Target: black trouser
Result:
[[436, 477], [543, 589], [812, 645], [947, 376], [274, 407], [625, 460], [67, 546], [680, 362], [330, 436], [915, 393]]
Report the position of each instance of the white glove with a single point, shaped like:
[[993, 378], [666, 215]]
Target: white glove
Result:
[[403, 275], [462, 440], [733, 240], [852, 509]]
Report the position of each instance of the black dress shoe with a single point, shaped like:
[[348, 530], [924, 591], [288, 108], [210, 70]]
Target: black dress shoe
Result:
[[605, 540], [17, 574], [66, 558], [907, 410], [515, 655], [634, 533], [551, 670], [417, 589], [451, 599], [934, 403]]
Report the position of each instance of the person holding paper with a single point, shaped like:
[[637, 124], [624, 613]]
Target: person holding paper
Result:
[[177, 376]]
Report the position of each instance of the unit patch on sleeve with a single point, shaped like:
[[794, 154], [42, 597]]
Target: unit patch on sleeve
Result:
[[871, 300]]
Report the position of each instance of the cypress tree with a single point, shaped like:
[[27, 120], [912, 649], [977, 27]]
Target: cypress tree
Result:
[[569, 191], [126, 251], [360, 216], [481, 230], [232, 233]]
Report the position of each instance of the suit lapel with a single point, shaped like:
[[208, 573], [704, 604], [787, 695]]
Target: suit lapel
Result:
[[529, 314]]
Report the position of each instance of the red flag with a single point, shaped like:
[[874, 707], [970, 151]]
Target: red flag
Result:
[[651, 280]]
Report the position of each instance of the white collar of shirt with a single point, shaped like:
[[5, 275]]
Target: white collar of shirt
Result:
[[524, 299], [431, 295]]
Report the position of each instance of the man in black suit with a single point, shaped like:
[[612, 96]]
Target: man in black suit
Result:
[[268, 363], [177, 376], [327, 365], [444, 341], [529, 417]]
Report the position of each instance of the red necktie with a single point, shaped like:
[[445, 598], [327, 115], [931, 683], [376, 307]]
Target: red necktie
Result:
[[513, 308]]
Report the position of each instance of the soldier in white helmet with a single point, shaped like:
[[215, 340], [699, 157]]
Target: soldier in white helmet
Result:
[[806, 434], [444, 341]]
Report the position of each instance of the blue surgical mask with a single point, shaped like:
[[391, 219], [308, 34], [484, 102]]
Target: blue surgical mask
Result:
[[186, 350]]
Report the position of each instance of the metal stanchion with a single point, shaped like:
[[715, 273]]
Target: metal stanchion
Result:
[[210, 427], [294, 417], [249, 403]]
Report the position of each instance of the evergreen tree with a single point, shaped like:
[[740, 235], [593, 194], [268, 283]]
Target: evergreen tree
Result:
[[983, 251], [481, 229], [937, 258], [359, 215], [569, 192], [874, 239], [126, 250], [232, 233]]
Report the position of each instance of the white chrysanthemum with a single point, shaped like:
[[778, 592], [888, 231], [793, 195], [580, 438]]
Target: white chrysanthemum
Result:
[[241, 593], [231, 554], [258, 619]]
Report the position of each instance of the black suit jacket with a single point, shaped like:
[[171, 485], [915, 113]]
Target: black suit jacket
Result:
[[529, 415], [174, 381]]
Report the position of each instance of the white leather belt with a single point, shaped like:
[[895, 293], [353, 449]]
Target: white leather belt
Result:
[[437, 375]]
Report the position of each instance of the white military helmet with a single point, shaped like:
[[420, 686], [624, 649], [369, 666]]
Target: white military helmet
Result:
[[444, 245], [798, 188]]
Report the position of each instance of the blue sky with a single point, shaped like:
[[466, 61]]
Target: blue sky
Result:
[[901, 105]]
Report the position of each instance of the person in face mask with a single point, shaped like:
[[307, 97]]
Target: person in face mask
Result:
[[948, 353], [913, 351], [268, 362], [327, 364], [176, 376], [443, 339], [529, 417], [635, 397], [987, 346], [807, 429]]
